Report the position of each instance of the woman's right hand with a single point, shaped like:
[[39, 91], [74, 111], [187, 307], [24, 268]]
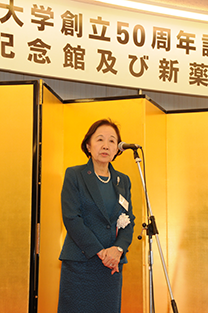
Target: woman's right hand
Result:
[[101, 254], [107, 256]]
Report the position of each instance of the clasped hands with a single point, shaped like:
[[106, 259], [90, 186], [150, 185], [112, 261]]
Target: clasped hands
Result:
[[110, 258]]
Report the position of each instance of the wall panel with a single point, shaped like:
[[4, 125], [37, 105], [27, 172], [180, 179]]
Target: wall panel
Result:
[[188, 209], [78, 118], [16, 137], [50, 214], [156, 170]]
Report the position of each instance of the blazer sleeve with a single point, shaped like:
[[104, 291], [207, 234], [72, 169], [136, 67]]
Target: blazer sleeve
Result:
[[84, 238], [125, 235]]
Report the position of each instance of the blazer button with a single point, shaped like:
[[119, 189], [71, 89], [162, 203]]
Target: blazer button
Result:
[[108, 227]]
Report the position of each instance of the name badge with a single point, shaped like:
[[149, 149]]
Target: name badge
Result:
[[123, 202]]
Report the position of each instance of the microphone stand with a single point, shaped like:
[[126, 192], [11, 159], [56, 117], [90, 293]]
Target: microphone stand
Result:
[[152, 231]]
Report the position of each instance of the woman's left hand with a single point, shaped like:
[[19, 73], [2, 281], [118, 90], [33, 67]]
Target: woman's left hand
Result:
[[111, 258]]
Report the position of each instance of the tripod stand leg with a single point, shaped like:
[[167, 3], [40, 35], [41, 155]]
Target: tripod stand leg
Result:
[[173, 303], [151, 285]]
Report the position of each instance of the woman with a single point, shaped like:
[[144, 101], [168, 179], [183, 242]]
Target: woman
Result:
[[97, 213]]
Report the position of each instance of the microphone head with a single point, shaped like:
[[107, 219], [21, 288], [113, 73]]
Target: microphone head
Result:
[[120, 146]]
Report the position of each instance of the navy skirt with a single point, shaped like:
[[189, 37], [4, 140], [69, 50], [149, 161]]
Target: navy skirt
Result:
[[89, 287]]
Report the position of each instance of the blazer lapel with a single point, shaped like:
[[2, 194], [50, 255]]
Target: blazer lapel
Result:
[[91, 183]]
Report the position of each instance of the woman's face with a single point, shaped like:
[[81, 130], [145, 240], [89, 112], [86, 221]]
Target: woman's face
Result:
[[103, 144]]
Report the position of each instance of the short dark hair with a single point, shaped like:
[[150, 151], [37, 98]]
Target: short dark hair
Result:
[[93, 129]]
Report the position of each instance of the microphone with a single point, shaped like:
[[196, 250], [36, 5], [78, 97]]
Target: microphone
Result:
[[122, 146]]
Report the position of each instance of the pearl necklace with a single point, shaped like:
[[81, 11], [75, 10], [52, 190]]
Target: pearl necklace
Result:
[[102, 180]]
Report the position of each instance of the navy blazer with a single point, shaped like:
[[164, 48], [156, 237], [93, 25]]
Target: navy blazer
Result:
[[89, 228]]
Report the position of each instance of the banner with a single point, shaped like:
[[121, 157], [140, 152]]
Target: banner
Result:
[[79, 41]]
